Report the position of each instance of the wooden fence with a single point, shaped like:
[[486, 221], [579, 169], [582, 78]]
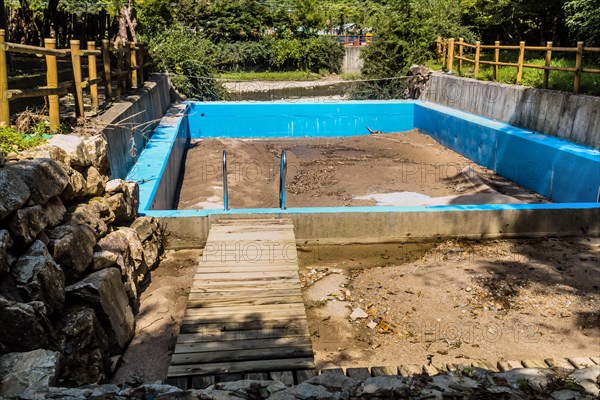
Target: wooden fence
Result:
[[130, 59], [445, 53]]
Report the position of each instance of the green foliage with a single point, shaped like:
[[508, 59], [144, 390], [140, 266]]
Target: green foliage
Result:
[[186, 56], [12, 141], [154, 16], [583, 20]]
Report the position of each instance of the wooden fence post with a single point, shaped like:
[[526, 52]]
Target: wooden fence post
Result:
[[107, 73], [52, 83], [548, 64], [76, 60], [127, 59], [496, 59], [4, 102], [133, 64], [444, 48], [120, 69], [438, 49], [140, 63], [460, 54], [450, 54], [578, 67], [477, 56], [93, 74], [520, 62]]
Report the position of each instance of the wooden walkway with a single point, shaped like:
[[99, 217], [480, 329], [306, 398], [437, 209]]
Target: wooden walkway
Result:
[[245, 312]]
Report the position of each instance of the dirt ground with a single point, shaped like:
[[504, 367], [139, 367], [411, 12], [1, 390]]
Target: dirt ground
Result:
[[406, 168], [162, 306], [459, 301]]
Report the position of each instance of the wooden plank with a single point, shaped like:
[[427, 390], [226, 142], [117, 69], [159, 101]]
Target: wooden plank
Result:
[[484, 364], [245, 288], [272, 334], [559, 363], [245, 294], [291, 322], [534, 364], [285, 377], [242, 366], [224, 269], [430, 370], [242, 317], [304, 375], [248, 301], [243, 276], [381, 371], [229, 377], [242, 355], [596, 360], [333, 371], [180, 382], [252, 311], [358, 373], [266, 343]]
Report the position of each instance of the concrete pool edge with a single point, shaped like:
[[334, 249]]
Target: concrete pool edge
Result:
[[157, 172]]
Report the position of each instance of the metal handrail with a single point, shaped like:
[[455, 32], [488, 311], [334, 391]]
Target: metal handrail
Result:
[[225, 188], [282, 174]]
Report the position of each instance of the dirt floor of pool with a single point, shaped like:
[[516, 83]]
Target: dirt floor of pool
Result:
[[449, 302], [405, 168]]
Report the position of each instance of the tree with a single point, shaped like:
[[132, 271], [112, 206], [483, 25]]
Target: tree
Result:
[[583, 20]]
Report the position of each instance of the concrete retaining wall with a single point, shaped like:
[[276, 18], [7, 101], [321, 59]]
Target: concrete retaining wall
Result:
[[352, 63], [148, 103], [319, 229], [565, 115]]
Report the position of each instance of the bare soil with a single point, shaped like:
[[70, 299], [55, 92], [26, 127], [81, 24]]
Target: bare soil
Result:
[[406, 168], [459, 301], [162, 306]]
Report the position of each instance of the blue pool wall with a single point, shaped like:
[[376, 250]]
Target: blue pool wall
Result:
[[561, 170]]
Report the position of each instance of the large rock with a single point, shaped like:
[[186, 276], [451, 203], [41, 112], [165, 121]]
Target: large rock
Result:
[[145, 227], [104, 292], [23, 326], [34, 370], [118, 206], [74, 147], [95, 182], [13, 192], [393, 387], [97, 148], [85, 356], [55, 212], [72, 246], [26, 225], [76, 187], [54, 153], [5, 257], [131, 197], [111, 251], [93, 215], [44, 177], [40, 278]]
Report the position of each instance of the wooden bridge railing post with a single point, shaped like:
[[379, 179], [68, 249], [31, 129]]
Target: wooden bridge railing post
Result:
[[477, 56], [140, 62], [578, 67], [496, 58], [438, 49], [92, 75], [4, 103], [520, 62], [52, 83], [107, 73], [460, 54], [133, 64], [120, 69], [450, 54], [547, 64], [76, 60]]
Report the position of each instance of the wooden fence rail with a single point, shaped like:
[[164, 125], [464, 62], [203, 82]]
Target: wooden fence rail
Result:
[[445, 55], [127, 74]]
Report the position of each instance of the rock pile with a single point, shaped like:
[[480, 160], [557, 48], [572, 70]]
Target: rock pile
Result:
[[73, 258], [526, 383]]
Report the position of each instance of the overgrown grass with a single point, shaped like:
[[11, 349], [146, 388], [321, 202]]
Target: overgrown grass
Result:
[[12, 141], [558, 80], [271, 76]]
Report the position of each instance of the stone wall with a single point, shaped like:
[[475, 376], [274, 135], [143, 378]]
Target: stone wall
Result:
[[352, 63], [73, 259], [565, 115]]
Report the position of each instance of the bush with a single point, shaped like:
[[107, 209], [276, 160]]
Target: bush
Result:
[[189, 60], [12, 141]]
